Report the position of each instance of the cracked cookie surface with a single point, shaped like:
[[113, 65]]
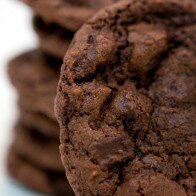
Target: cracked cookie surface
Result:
[[126, 101]]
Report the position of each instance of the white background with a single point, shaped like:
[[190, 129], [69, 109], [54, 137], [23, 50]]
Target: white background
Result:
[[16, 36]]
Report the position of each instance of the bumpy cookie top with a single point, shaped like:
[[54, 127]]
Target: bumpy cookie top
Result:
[[126, 101]]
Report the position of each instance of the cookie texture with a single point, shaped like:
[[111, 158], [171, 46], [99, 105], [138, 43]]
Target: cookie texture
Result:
[[35, 178], [35, 75], [53, 38], [67, 13], [126, 101], [39, 149]]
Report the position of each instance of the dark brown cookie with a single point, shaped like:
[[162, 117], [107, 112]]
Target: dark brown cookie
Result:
[[67, 13], [53, 39], [126, 101], [35, 75], [40, 121], [35, 178], [37, 148]]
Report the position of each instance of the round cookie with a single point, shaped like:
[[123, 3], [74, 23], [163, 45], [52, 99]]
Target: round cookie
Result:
[[35, 75], [46, 126], [35, 178], [37, 148], [67, 13], [126, 101], [53, 39]]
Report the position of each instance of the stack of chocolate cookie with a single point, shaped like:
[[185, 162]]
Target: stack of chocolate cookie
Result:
[[125, 101], [34, 158]]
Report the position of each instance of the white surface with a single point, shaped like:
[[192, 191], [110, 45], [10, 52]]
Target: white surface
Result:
[[16, 36]]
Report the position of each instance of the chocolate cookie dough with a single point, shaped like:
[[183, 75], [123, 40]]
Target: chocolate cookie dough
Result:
[[37, 148], [53, 39], [35, 178], [35, 75], [70, 14], [126, 101], [40, 121]]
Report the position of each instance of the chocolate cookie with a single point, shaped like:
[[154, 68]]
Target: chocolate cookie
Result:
[[40, 121], [35, 75], [37, 148], [35, 178], [70, 14], [53, 39], [126, 101]]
